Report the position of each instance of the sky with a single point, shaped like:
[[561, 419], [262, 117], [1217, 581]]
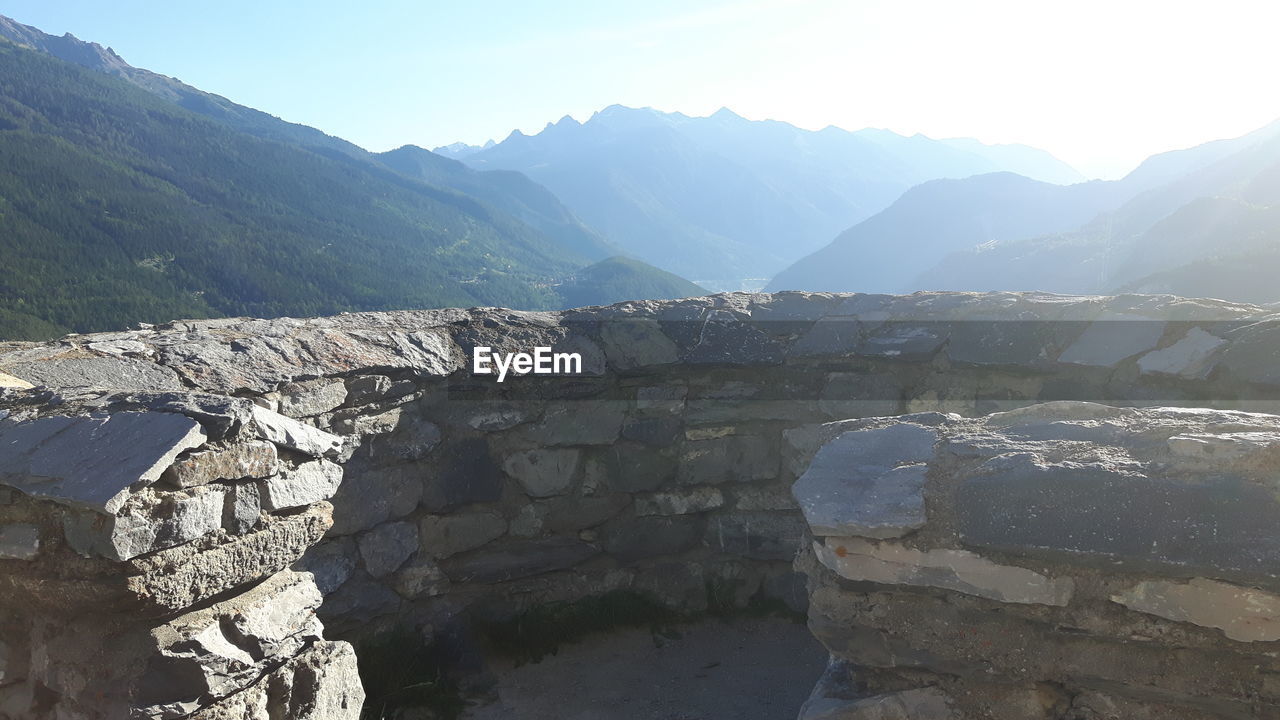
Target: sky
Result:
[[1102, 85]]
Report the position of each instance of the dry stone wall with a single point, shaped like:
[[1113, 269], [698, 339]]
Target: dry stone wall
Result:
[[145, 549], [663, 468], [1066, 561]]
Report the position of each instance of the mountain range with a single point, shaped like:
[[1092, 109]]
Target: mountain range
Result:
[[127, 196], [1195, 222], [727, 201]]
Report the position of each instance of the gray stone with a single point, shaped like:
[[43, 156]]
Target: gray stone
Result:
[[1251, 356], [904, 340], [98, 372], [421, 578], [312, 397], [289, 433], [213, 652], [598, 422], [890, 563], [320, 683], [442, 536], [19, 542], [764, 498], [359, 600], [868, 483], [252, 459], [331, 563], [1115, 517], [631, 468], [385, 548], [365, 389], [636, 342], [412, 441], [668, 399], [829, 336], [464, 474], [756, 535], [1243, 614], [659, 431], [854, 395], [370, 496], [93, 462], [738, 458], [633, 539], [1191, 357], [309, 483], [543, 473], [680, 502], [1112, 338], [519, 559], [242, 508], [178, 578], [171, 519], [571, 514]]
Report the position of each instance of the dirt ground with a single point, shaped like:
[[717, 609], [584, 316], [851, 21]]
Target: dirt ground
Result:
[[746, 669]]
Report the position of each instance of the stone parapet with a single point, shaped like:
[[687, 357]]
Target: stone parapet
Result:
[[141, 573], [1065, 560]]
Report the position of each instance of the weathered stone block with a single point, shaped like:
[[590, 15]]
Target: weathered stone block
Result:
[[631, 539], [1112, 338], [1192, 356], [543, 473], [442, 536], [309, 483], [868, 483], [19, 542], [242, 508], [93, 462], [680, 502], [289, 433], [1243, 614], [252, 459], [312, 397], [890, 563], [738, 458], [519, 559], [385, 548], [757, 535]]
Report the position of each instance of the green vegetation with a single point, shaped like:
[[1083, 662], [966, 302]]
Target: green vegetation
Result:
[[117, 207], [618, 278]]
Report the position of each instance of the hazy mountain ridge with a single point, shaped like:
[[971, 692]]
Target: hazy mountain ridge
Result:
[[723, 198], [1009, 233], [1183, 221]]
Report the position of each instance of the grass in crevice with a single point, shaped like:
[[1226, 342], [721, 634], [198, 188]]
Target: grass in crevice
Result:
[[401, 671]]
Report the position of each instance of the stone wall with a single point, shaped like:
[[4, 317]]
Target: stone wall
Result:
[[1067, 561], [665, 467], [145, 545]]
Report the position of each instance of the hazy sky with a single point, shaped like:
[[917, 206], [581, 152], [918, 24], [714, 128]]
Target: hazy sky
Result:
[[1100, 84]]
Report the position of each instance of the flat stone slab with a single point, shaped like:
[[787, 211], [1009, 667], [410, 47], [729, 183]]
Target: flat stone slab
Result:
[[289, 433], [1108, 517], [1243, 614], [1113, 338], [890, 563], [868, 483], [93, 462]]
